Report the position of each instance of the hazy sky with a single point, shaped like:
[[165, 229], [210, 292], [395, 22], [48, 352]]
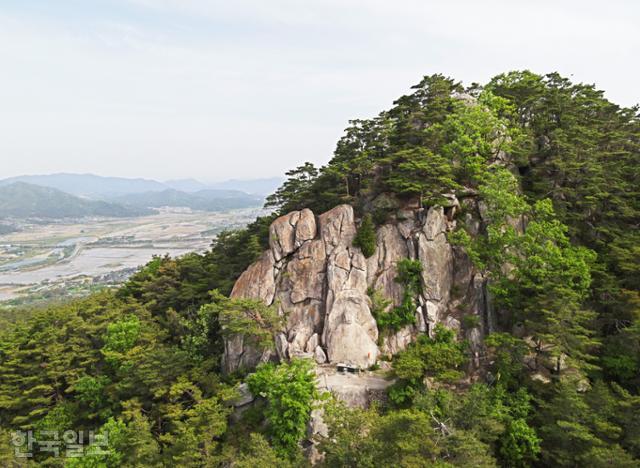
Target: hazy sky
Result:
[[250, 88]]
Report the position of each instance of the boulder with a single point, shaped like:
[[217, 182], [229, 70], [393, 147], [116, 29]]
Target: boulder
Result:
[[435, 224], [312, 343], [337, 227], [319, 355], [382, 265], [301, 294], [305, 227], [282, 235], [244, 396], [396, 342], [350, 331], [436, 257], [282, 346], [258, 281], [288, 232]]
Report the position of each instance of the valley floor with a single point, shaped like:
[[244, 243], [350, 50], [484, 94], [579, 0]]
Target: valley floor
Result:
[[54, 260]]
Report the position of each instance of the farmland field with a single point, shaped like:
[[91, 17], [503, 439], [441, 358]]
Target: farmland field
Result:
[[44, 260]]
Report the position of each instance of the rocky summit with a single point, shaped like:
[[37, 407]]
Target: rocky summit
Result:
[[323, 284]]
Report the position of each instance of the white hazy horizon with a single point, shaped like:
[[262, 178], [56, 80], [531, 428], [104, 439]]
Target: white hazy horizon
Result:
[[212, 90]]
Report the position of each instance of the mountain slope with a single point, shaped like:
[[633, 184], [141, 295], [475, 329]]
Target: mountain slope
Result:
[[89, 185], [22, 200], [256, 186], [186, 185]]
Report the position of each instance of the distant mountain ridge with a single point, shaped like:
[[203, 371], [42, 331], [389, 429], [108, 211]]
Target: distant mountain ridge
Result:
[[264, 186], [100, 187], [88, 185], [186, 185], [22, 200]]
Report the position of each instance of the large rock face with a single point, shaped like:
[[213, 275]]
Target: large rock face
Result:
[[315, 276]]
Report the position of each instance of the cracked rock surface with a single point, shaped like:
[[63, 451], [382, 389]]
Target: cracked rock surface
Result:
[[315, 276]]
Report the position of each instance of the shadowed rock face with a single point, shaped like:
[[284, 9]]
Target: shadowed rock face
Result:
[[319, 280]]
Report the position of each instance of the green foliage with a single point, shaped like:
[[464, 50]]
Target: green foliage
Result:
[[620, 358], [379, 303], [409, 276], [195, 425], [506, 352], [258, 322], [418, 172], [290, 391], [584, 153], [576, 426], [439, 357], [410, 437], [103, 362], [293, 192], [366, 236], [258, 452], [549, 285], [471, 321], [120, 338], [520, 444], [409, 272], [537, 276], [90, 394], [476, 135], [490, 415]]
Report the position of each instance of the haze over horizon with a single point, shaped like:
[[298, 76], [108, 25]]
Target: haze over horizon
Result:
[[192, 178], [170, 89]]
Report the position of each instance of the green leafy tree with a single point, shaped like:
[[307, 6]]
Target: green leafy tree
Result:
[[439, 357], [549, 286], [506, 353], [520, 445], [290, 391], [537, 277], [120, 338], [405, 438]]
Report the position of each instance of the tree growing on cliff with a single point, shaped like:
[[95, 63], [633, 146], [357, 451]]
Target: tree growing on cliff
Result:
[[295, 189], [252, 318], [366, 236], [439, 358], [392, 320], [537, 276]]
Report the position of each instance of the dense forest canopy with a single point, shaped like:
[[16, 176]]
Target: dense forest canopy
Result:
[[143, 364]]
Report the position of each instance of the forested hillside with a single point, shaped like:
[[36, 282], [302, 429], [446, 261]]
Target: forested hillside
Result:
[[22, 200], [553, 167]]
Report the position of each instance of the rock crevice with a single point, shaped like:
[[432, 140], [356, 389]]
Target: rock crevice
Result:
[[315, 277]]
